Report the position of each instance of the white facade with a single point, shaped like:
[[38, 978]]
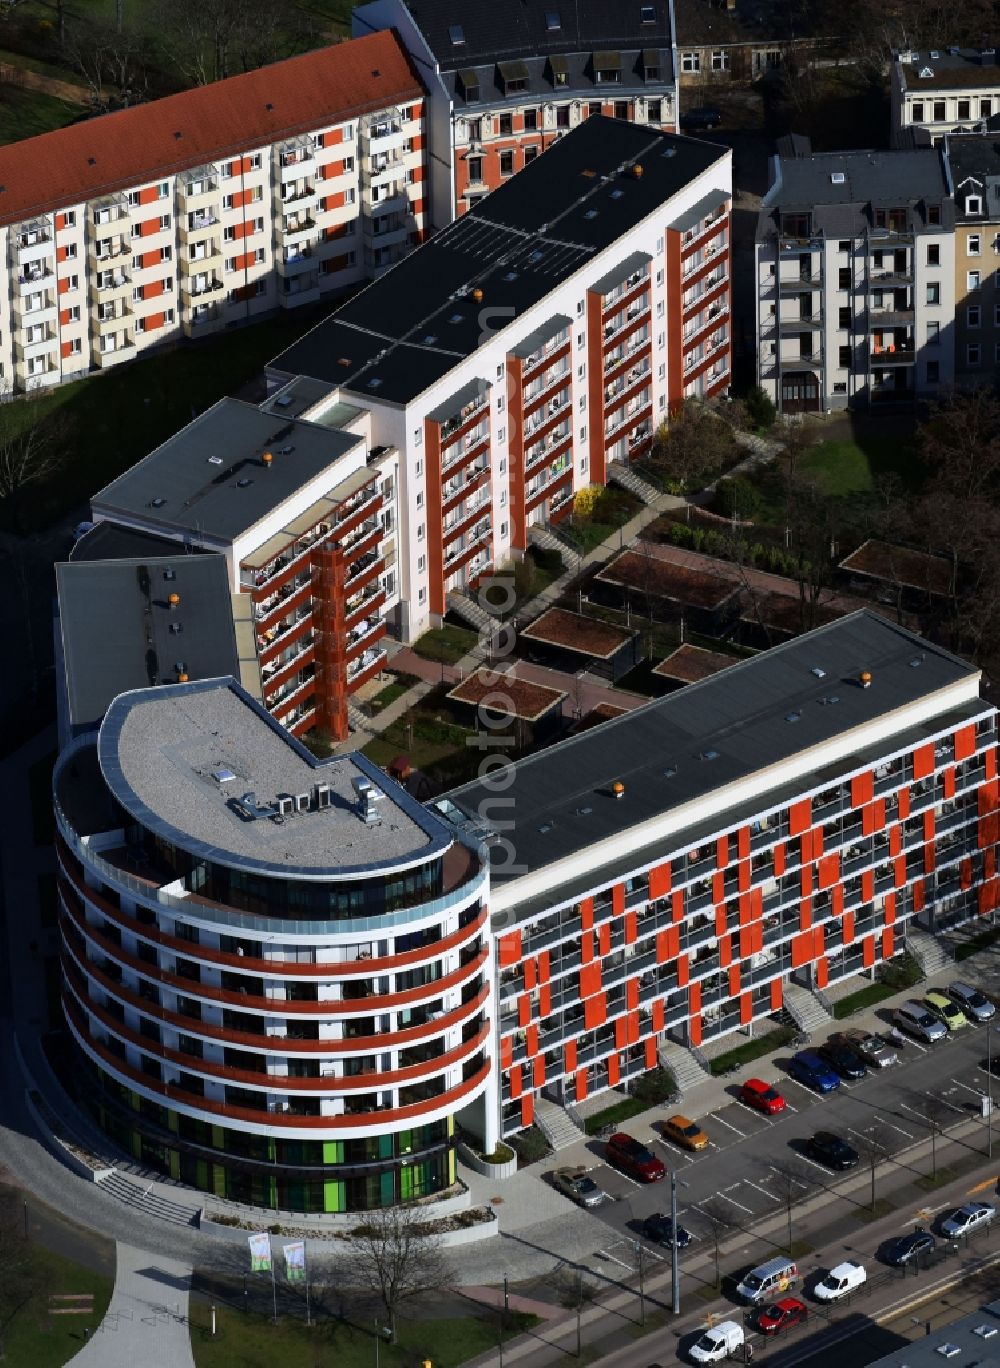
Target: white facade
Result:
[[942, 91]]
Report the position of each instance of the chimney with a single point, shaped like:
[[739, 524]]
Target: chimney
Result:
[[173, 600]]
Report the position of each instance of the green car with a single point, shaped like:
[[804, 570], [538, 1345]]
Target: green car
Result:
[[946, 1011]]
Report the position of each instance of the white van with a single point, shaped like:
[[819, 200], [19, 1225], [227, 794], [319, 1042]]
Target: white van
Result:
[[767, 1280], [914, 1018], [720, 1342]]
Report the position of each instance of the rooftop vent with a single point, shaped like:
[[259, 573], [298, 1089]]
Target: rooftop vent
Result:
[[926, 73], [637, 171], [182, 677], [647, 14], [617, 192], [830, 699], [368, 796], [285, 450], [176, 628], [510, 275], [546, 827], [223, 775], [456, 318], [818, 672], [985, 1331], [242, 483], [583, 811], [374, 382], [709, 755], [477, 295], [430, 339], [158, 502], [618, 789], [948, 1350], [793, 717], [169, 574], [865, 679], [457, 35], [837, 178], [180, 666], [215, 460], [670, 771], [590, 214], [343, 360], [669, 152], [916, 662]]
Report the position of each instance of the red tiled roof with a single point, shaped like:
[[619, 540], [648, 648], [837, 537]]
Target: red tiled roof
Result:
[[134, 146]]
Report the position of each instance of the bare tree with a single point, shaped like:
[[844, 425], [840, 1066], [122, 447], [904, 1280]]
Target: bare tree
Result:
[[721, 1222], [396, 1259], [933, 1112], [875, 1146], [696, 440], [27, 457], [793, 1184], [114, 62], [960, 444], [209, 40]]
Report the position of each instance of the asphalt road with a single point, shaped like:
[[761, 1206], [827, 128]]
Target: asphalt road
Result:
[[752, 1159]]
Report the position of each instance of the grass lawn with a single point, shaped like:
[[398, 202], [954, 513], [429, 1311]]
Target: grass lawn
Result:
[[105, 423], [23, 113], [752, 1049], [883, 1207], [434, 743], [392, 691], [253, 1341], [447, 644], [929, 1181], [974, 944], [40, 797], [864, 997], [611, 1116], [34, 1338]]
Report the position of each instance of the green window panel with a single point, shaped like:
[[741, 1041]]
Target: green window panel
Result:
[[451, 1168], [218, 1138], [173, 1121], [385, 1150], [333, 1153], [175, 1164], [219, 1180], [334, 1194], [136, 1145], [451, 1125], [387, 1186], [201, 1181]]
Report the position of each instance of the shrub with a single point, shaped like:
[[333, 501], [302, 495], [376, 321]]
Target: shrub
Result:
[[655, 1086], [736, 497], [681, 534], [503, 1154], [586, 500], [760, 408], [697, 537]]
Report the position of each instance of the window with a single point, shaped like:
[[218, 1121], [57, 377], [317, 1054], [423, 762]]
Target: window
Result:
[[973, 354], [661, 341], [917, 111], [654, 111], [350, 195], [530, 153], [69, 216], [594, 107], [164, 221], [845, 358], [420, 532], [659, 276], [583, 438], [933, 334], [939, 113], [420, 498], [475, 165], [621, 109], [965, 109], [348, 137], [933, 293], [973, 204], [69, 251], [562, 116], [843, 246], [163, 190], [972, 244], [934, 213], [133, 199], [720, 61], [840, 387], [75, 347], [844, 317], [659, 308], [690, 61], [659, 246], [505, 125], [973, 316], [507, 163], [933, 254], [530, 120], [583, 403], [421, 564], [972, 279], [499, 403], [985, 108], [501, 434], [844, 278], [73, 314], [581, 338], [996, 315]]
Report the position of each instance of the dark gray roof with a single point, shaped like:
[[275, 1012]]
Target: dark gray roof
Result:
[[841, 189], [110, 541], [410, 327], [951, 69], [710, 734], [974, 160], [976, 1337], [492, 32], [209, 480], [120, 633]]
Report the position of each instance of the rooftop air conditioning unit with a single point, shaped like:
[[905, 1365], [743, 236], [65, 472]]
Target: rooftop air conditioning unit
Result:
[[285, 804]]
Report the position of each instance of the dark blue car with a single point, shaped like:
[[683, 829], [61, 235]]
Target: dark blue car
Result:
[[807, 1067]]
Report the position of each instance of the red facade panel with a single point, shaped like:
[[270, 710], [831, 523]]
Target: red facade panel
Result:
[[659, 881], [509, 949], [779, 860], [722, 852], [862, 789], [923, 761], [614, 1071], [587, 913], [965, 742], [799, 817], [595, 1011]]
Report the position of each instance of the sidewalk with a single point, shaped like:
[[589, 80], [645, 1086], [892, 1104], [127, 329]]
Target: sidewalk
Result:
[[525, 614], [147, 1320]]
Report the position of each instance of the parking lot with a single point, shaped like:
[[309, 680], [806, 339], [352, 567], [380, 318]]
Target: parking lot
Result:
[[755, 1164]]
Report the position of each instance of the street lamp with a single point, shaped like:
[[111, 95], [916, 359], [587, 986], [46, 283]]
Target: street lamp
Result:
[[989, 1088], [675, 1272]]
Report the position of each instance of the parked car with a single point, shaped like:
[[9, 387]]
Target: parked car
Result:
[[634, 1159], [807, 1067], [907, 1248], [946, 1011], [830, 1150], [781, 1315], [845, 1278], [762, 1097], [578, 1187], [914, 1018], [966, 1220], [684, 1133], [975, 1005], [660, 1229], [705, 117], [843, 1058], [876, 1051], [722, 1341]]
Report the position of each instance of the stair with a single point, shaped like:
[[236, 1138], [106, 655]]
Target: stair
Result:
[[929, 952], [470, 612], [548, 541], [621, 474], [683, 1064], [148, 1202], [556, 1124], [805, 1009], [356, 719]]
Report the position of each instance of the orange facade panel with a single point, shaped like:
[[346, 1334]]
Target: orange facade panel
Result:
[[569, 1056], [743, 843], [595, 1011], [509, 949], [828, 871], [923, 761], [965, 742], [722, 852], [527, 1109], [614, 1071], [800, 817], [590, 979], [862, 789], [581, 1084], [587, 913], [776, 995], [659, 881]]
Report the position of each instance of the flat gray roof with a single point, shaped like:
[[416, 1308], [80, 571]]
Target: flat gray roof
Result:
[[710, 734], [161, 749], [119, 631], [975, 1339], [209, 478]]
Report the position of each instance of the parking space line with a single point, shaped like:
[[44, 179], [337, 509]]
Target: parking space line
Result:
[[763, 1192], [817, 1097], [741, 1134], [945, 1103], [892, 1126], [726, 1198], [977, 1092], [614, 1259], [824, 1171], [618, 1173], [758, 1116], [916, 1045], [797, 1181]]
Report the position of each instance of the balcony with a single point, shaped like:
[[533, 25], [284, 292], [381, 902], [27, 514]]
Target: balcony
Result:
[[539, 357], [123, 349], [296, 263], [627, 415], [36, 341], [812, 280], [900, 355], [547, 413], [388, 231], [626, 381], [296, 162], [382, 136], [202, 315], [298, 192], [298, 229], [626, 320], [208, 257], [114, 285], [893, 275], [110, 248], [367, 664], [34, 246], [700, 260], [636, 343], [33, 275], [550, 443], [625, 288], [788, 327], [385, 197]]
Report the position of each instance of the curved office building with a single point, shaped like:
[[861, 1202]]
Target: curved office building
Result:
[[278, 972]]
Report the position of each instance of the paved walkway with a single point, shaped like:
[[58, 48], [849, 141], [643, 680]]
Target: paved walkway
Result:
[[146, 1325], [549, 596]]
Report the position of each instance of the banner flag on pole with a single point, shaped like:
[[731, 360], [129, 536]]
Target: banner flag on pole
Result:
[[260, 1253], [295, 1261]]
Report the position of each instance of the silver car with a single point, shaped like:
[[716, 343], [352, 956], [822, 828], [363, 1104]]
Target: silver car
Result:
[[914, 1018], [975, 1005], [578, 1187], [968, 1219]]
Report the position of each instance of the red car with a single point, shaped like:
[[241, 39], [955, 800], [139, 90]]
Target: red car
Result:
[[782, 1315], [761, 1096], [634, 1159]]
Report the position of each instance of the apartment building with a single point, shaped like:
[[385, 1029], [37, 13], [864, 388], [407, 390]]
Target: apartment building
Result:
[[537, 339], [207, 209], [505, 82], [734, 42], [974, 166], [277, 973], [855, 275], [302, 513], [942, 91], [665, 875]]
